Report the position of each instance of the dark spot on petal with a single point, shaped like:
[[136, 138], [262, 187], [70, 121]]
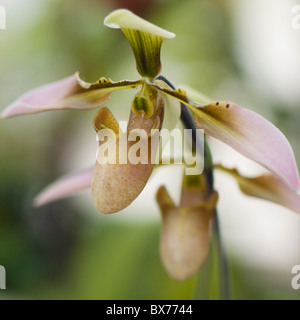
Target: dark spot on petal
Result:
[[228, 105], [217, 103]]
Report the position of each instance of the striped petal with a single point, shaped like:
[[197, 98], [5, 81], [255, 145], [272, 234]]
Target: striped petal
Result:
[[267, 187], [144, 37], [65, 187], [252, 136], [245, 131], [69, 93]]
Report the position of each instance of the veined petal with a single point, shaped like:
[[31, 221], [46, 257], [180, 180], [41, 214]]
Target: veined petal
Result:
[[65, 187], [267, 187], [123, 18], [245, 131], [122, 170], [69, 93], [145, 39], [251, 135]]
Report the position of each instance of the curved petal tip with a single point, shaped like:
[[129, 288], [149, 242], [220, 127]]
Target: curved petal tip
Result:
[[123, 18], [64, 187], [251, 135]]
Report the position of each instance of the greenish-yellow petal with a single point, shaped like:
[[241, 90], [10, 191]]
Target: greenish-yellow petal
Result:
[[106, 85], [144, 37], [123, 18]]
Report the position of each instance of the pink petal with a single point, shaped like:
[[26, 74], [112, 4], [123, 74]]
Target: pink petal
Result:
[[69, 93], [267, 187], [245, 131], [65, 187], [44, 98], [251, 135]]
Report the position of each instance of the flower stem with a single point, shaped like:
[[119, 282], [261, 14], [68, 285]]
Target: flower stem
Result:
[[223, 272], [208, 172]]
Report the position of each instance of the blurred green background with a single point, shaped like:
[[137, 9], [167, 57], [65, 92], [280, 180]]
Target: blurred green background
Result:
[[244, 51]]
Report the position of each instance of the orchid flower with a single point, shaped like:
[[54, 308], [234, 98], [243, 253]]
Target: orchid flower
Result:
[[186, 228], [185, 236]]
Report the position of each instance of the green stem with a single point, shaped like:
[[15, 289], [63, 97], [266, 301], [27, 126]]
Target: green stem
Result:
[[222, 258], [224, 270]]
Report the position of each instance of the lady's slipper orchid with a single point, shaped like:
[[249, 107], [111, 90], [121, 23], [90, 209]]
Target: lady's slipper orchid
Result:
[[186, 230], [114, 186]]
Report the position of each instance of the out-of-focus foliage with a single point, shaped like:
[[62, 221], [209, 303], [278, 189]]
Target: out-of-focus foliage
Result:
[[64, 251]]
